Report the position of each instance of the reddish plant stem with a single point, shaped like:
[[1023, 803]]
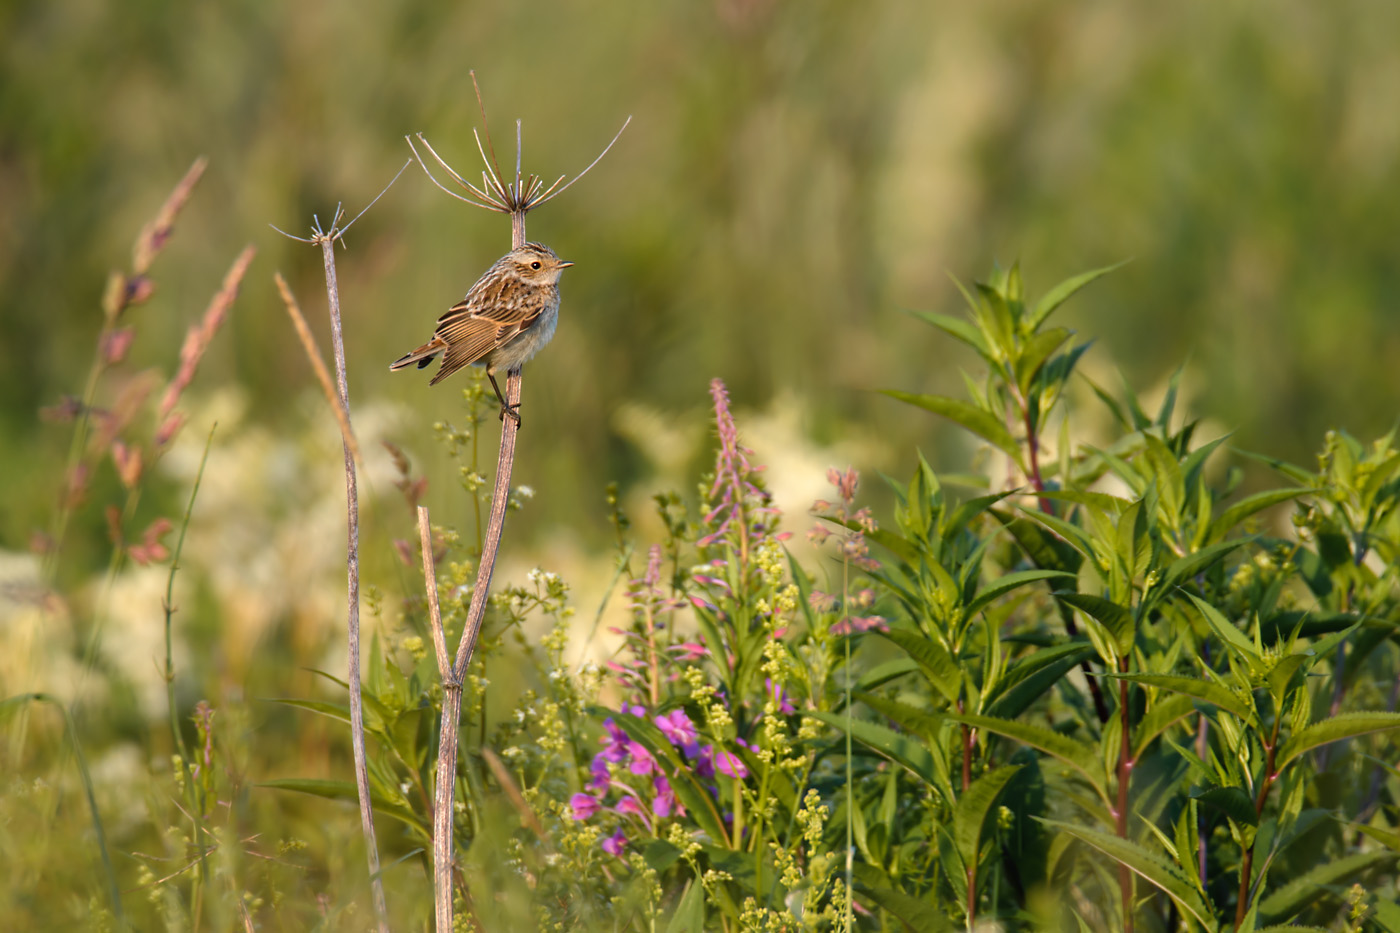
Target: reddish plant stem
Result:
[[1033, 449], [1125, 773], [352, 565], [1247, 865]]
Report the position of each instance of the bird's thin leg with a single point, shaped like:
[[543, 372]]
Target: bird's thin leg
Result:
[[512, 410]]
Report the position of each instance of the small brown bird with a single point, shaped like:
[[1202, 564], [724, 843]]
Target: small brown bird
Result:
[[506, 317]]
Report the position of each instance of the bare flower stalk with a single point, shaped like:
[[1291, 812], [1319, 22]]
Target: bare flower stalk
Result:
[[326, 241], [318, 366], [517, 198]]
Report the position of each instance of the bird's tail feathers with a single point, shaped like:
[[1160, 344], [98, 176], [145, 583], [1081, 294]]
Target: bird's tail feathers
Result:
[[422, 356]]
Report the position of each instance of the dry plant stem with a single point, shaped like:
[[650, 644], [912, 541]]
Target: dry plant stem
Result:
[[444, 795], [318, 366], [352, 566], [445, 785]]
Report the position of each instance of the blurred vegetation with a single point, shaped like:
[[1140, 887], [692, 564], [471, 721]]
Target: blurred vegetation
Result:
[[795, 176]]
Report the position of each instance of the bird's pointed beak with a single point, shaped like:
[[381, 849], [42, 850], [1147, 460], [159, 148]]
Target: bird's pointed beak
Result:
[[564, 264]]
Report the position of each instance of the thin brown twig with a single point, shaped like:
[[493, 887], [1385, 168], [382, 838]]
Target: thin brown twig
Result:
[[513, 794], [326, 240], [318, 366]]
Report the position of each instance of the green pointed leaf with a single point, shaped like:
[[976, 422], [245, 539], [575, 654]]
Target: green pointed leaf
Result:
[[1232, 801], [338, 711], [1063, 292], [1113, 617], [1341, 726], [916, 914], [1009, 582], [938, 666], [1163, 714], [1184, 568], [1251, 505], [883, 673], [1171, 486], [1389, 839], [1299, 475], [979, 422], [970, 816], [969, 510], [1149, 866], [1192, 464], [1290, 900], [957, 327], [345, 790], [1082, 758], [1102, 501], [690, 910], [900, 749], [1225, 630], [1034, 354], [1207, 691], [1026, 680], [1386, 916], [1071, 534], [1045, 550], [909, 718]]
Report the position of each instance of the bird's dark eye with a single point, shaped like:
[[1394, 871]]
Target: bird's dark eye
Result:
[[535, 264]]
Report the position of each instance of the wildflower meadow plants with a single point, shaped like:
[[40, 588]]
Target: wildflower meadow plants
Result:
[[1116, 682], [1103, 691]]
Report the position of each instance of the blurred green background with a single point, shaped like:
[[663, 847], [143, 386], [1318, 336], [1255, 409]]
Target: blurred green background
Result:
[[795, 175]]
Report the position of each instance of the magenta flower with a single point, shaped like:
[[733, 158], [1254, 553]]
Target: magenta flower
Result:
[[729, 763], [583, 806], [705, 762], [677, 728], [600, 776], [615, 743], [628, 806], [642, 762], [665, 800], [614, 844]]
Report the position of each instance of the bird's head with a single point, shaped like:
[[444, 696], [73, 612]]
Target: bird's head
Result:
[[537, 264]]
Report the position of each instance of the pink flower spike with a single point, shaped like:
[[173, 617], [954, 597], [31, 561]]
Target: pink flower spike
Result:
[[628, 806], [583, 806], [845, 483], [116, 344]]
